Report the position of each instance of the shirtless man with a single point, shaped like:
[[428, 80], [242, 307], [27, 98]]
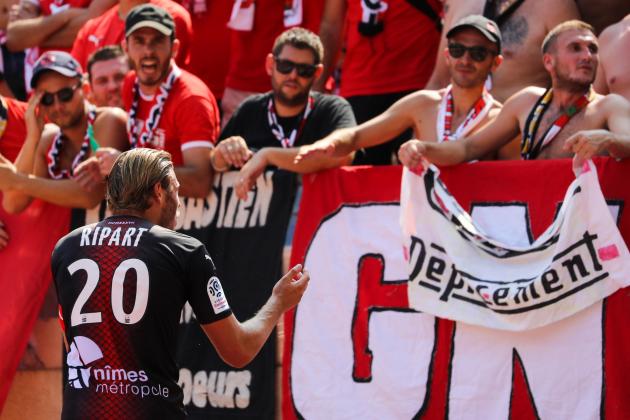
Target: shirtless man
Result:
[[473, 51], [612, 74], [548, 118], [523, 25]]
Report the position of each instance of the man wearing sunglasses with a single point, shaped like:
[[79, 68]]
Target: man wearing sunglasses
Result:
[[568, 118], [276, 123], [50, 154], [435, 115]]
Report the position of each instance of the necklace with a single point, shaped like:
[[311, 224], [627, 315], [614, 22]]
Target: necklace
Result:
[[477, 113], [529, 148]]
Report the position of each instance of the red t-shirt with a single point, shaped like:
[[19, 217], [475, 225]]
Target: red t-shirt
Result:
[[399, 58], [210, 47], [249, 49], [109, 29], [190, 117], [50, 7], [15, 131]]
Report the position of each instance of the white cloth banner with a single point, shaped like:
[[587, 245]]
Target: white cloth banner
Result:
[[458, 272]]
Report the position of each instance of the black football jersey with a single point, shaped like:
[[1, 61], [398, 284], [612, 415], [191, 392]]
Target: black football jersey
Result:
[[121, 285]]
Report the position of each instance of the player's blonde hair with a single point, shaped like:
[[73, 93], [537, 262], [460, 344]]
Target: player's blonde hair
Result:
[[133, 176]]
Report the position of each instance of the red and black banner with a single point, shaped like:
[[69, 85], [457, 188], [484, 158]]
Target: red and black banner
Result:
[[354, 347]]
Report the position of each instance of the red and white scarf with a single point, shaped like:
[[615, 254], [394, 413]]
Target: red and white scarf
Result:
[[278, 131], [445, 116], [140, 136], [52, 157]]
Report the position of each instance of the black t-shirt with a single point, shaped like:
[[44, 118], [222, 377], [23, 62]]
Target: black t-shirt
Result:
[[121, 285], [250, 121]]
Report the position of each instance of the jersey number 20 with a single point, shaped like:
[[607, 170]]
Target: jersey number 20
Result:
[[93, 276]]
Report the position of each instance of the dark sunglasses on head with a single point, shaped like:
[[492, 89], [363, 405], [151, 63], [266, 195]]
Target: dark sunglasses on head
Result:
[[477, 53], [63, 95], [287, 66]]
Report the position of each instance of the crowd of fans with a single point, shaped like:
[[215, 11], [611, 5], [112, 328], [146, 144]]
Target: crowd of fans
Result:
[[239, 85]]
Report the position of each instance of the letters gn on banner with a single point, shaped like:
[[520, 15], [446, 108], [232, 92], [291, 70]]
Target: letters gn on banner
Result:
[[458, 272]]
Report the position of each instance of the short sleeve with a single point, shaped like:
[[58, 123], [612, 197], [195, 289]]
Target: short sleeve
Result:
[[204, 291], [198, 122]]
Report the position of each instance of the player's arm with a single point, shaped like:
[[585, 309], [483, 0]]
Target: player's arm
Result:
[[29, 33], [238, 343], [65, 36], [378, 130], [454, 10], [615, 140], [330, 32]]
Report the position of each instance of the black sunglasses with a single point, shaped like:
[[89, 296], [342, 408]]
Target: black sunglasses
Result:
[[63, 95], [476, 53], [287, 66]]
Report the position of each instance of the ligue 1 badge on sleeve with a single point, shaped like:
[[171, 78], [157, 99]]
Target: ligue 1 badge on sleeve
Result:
[[216, 295]]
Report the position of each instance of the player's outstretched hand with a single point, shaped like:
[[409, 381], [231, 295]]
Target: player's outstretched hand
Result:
[[411, 153], [290, 288]]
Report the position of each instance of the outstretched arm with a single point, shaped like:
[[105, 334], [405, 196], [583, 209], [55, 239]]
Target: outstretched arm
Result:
[[378, 130], [283, 159], [238, 343]]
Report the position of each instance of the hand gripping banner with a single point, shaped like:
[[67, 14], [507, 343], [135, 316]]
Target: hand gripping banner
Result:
[[460, 272]]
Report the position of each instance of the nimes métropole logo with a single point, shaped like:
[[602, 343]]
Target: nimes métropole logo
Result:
[[82, 373]]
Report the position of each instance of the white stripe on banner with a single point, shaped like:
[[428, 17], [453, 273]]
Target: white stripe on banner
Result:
[[457, 271]]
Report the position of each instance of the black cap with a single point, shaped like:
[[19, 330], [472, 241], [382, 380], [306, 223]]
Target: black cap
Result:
[[487, 27], [150, 16], [57, 61]]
